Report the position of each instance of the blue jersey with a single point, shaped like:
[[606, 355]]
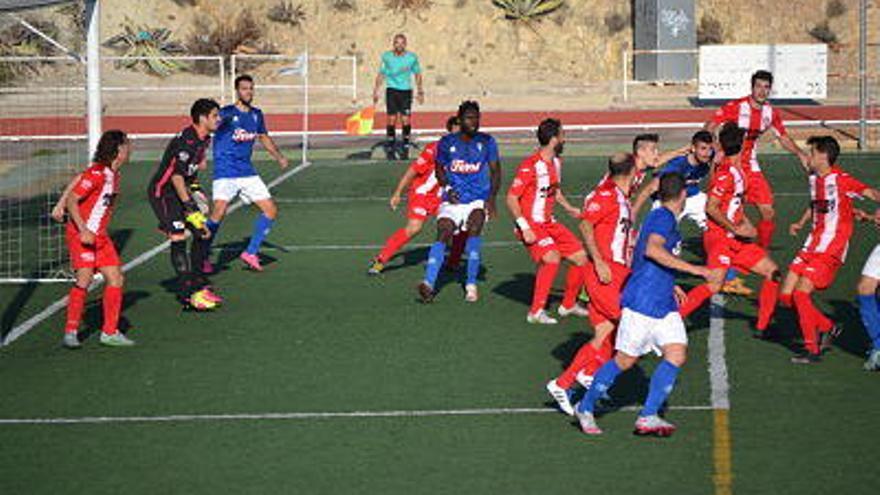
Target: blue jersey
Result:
[[466, 163], [650, 289], [692, 174], [234, 142]]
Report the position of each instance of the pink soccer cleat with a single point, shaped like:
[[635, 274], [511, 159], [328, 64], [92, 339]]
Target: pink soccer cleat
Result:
[[212, 296], [252, 261]]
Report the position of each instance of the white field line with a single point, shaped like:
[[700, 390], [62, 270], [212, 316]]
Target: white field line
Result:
[[384, 199], [299, 416], [718, 378], [142, 258]]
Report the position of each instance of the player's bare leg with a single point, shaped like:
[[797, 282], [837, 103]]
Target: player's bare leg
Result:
[[262, 227], [472, 250], [112, 306], [544, 275], [76, 301], [394, 243], [445, 232]]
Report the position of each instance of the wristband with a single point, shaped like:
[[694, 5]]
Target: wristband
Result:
[[522, 223]]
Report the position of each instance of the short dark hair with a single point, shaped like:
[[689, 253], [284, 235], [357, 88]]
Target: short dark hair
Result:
[[671, 186], [202, 106], [547, 130], [762, 75], [644, 138], [702, 137], [621, 164], [466, 106], [451, 122], [243, 78], [108, 146], [731, 138], [400, 35], [827, 145]]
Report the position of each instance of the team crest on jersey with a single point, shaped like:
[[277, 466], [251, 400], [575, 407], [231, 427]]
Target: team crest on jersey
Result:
[[183, 156], [463, 167], [241, 136]]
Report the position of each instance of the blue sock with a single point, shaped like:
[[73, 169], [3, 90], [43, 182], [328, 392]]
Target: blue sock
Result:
[[731, 274], [472, 249], [870, 312], [662, 383], [213, 227], [601, 383], [435, 261], [262, 227]]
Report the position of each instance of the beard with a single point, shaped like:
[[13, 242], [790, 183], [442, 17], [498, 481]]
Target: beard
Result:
[[559, 149]]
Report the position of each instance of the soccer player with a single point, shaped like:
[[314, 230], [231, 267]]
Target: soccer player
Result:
[[814, 267], [423, 200], [869, 307], [650, 319], [755, 115], [397, 68], [728, 241], [234, 174], [606, 223], [171, 193], [469, 174], [89, 206], [534, 192]]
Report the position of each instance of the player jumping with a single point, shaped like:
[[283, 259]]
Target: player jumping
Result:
[[650, 319], [470, 174], [89, 206], [234, 173]]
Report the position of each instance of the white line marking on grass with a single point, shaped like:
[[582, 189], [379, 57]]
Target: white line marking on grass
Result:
[[294, 416], [142, 258], [717, 365], [356, 247]]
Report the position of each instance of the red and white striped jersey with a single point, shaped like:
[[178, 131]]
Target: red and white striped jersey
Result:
[[97, 188], [729, 186], [831, 202], [535, 185], [755, 121], [425, 182], [637, 181], [608, 210]]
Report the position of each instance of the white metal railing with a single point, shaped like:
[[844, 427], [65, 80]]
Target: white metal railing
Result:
[[626, 81], [234, 63]]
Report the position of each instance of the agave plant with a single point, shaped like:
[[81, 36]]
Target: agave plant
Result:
[[146, 48], [287, 13], [527, 11]]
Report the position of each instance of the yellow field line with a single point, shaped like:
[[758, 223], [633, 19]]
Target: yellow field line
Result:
[[723, 477]]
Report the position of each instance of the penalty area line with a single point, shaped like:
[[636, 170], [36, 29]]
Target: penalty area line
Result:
[[722, 476]]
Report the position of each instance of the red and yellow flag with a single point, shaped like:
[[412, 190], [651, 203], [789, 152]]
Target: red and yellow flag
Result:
[[361, 122]]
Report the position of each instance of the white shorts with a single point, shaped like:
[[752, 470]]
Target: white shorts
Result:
[[694, 209], [459, 213], [250, 188], [638, 334], [872, 266]]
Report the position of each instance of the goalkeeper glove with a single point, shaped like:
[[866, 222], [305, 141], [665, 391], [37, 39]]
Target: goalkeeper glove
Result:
[[194, 216]]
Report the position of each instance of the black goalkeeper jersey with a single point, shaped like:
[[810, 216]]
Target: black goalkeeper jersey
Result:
[[182, 157]]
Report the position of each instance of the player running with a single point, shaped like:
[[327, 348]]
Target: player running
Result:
[[728, 241], [650, 320], [89, 206], [234, 174], [814, 267], [172, 194], [423, 200], [535, 191], [606, 223], [469, 174]]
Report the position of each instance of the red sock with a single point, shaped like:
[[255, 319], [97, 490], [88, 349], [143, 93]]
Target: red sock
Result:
[[695, 298], [574, 282], [602, 355], [806, 317], [456, 250], [583, 357], [543, 283], [765, 233], [112, 307], [76, 301], [397, 240], [766, 303], [785, 300]]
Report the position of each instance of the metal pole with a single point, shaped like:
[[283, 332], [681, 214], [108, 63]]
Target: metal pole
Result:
[[354, 80], [232, 76], [625, 67], [305, 133], [93, 72], [222, 80], [863, 74]]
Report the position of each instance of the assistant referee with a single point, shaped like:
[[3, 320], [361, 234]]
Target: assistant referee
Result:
[[397, 68]]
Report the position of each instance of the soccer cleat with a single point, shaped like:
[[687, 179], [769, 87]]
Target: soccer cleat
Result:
[[252, 261], [576, 310], [116, 340], [560, 395], [584, 379], [806, 358], [71, 341], [541, 318], [653, 426], [588, 423], [873, 362], [737, 287], [826, 339], [211, 296], [376, 267], [200, 301], [426, 292], [207, 268], [470, 293]]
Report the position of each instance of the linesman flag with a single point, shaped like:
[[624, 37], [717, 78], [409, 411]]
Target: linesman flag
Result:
[[361, 122]]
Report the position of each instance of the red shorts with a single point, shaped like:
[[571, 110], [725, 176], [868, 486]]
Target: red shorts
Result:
[[605, 298], [101, 253], [421, 206], [758, 190], [819, 268], [551, 236], [724, 252]]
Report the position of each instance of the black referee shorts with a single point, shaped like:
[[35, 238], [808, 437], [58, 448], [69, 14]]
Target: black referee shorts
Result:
[[169, 211], [398, 101]]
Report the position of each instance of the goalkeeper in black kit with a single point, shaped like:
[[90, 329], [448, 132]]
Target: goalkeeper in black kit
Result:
[[176, 197]]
